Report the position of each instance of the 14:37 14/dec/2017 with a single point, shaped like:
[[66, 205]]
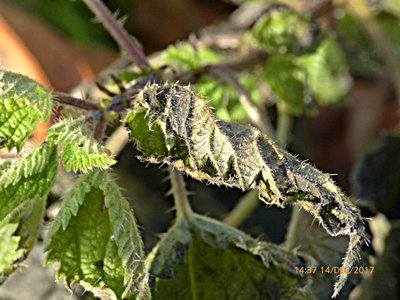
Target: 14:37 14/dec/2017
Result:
[[334, 270]]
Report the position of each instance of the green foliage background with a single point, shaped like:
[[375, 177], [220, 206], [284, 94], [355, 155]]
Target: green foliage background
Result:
[[309, 66]]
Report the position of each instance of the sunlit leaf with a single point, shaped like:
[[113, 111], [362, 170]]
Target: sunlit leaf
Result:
[[95, 240], [23, 102], [18, 234], [224, 98], [328, 73], [286, 80], [80, 152], [24, 178]]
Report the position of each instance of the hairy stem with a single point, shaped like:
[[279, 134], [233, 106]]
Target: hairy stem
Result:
[[247, 204], [178, 190], [66, 99], [360, 11], [117, 32]]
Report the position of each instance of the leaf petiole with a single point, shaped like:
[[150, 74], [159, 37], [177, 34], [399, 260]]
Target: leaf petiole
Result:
[[178, 190]]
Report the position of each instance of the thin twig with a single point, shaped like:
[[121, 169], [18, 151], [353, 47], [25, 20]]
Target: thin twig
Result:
[[256, 113], [246, 205], [117, 32], [66, 99]]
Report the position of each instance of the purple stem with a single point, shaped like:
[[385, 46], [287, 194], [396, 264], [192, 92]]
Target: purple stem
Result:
[[100, 130], [66, 99], [117, 32]]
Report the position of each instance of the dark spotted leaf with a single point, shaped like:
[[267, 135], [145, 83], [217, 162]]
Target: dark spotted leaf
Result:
[[194, 257], [237, 155]]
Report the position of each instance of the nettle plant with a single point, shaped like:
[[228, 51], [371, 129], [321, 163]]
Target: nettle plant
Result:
[[94, 238]]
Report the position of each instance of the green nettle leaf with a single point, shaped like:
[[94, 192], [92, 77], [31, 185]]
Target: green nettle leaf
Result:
[[95, 240], [224, 98], [194, 257], [18, 234], [186, 57], [24, 178], [9, 247], [79, 150], [282, 30], [328, 73], [240, 156], [285, 79], [23, 102]]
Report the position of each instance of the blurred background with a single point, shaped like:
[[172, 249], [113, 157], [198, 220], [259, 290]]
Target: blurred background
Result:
[[59, 44]]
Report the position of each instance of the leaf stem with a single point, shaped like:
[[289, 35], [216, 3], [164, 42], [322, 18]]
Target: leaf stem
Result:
[[66, 99], [119, 34], [246, 205], [178, 190]]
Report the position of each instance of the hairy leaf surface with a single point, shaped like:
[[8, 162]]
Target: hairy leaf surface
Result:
[[195, 256], [237, 155], [24, 178], [23, 102], [95, 240], [18, 234], [79, 150]]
